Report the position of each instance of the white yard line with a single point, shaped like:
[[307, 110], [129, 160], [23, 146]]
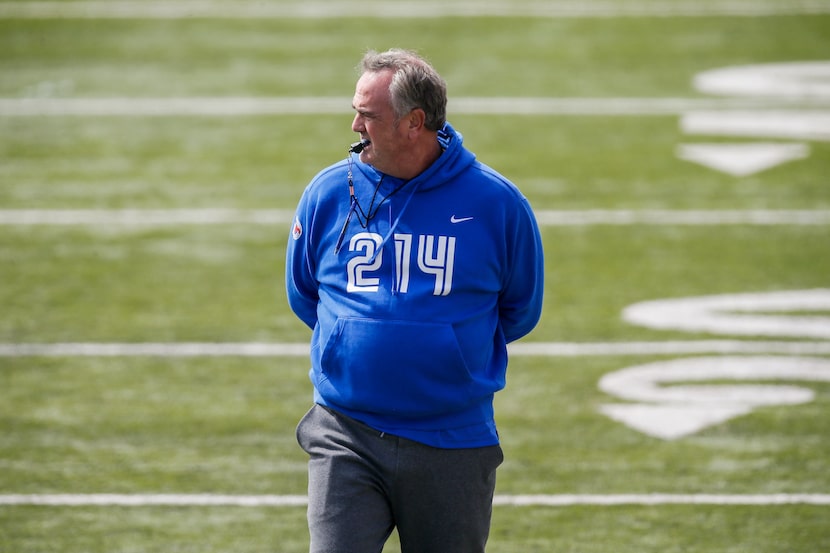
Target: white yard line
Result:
[[576, 349], [140, 500], [683, 217], [520, 349], [145, 217], [408, 9], [180, 349], [546, 217], [660, 499], [233, 106], [556, 500]]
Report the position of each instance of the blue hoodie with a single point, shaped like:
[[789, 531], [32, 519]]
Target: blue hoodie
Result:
[[412, 316]]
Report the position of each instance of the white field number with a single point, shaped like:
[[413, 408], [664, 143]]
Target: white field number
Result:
[[667, 408]]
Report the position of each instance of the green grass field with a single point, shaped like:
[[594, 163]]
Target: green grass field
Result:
[[199, 421]]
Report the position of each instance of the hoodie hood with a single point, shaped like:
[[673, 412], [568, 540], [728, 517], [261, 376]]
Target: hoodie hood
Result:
[[454, 160]]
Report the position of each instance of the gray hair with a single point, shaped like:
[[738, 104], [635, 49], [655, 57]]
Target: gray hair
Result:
[[415, 84]]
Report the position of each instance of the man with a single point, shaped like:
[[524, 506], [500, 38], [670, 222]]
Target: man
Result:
[[415, 265]]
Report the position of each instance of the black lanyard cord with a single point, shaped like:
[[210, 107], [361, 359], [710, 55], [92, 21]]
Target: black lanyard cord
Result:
[[363, 217]]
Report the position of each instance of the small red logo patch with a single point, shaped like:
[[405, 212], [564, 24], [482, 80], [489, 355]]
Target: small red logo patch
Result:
[[297, 229]]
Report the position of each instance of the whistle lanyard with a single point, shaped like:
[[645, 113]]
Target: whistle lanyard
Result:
[[363, 217]]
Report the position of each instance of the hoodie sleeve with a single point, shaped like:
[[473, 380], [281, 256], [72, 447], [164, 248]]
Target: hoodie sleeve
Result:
[[300, 281], [520, 303]]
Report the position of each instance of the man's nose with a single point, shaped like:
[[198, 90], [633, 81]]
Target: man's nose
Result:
[[357, 123]]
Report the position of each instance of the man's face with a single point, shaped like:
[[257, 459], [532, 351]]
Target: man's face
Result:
[[375, 120]]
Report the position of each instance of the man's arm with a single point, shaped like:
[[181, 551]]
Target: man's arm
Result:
[[300, 282], [520, 303]]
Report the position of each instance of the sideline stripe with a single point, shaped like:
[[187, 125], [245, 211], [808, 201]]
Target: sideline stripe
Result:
[[219, 216], [408, 9], [550, 349], [240, 106], [559, 500]]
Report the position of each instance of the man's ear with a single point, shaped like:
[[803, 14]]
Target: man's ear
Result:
[[415, 120]]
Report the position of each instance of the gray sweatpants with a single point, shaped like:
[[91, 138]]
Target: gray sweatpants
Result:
[[363, 483]]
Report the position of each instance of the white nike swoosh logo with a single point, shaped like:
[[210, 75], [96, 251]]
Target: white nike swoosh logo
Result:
[[455, 219]]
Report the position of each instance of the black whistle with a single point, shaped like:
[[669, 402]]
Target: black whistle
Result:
[[358, 147]]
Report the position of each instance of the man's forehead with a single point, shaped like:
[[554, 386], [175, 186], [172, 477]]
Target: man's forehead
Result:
[[372, 88]]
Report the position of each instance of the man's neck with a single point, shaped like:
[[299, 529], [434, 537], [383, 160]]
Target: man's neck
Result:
[[421, 158]]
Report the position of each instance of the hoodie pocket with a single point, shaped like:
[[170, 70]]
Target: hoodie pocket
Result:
[[396, 368]]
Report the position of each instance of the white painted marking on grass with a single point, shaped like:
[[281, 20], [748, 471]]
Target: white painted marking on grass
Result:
[[166, 107], [683, 217], [566, 500], [671, 421], [790, 124], [219, 216], [794, 80], [407, 9], [618, 106], [744, 314], [145, 217], [301, 349], [181, 349], [691, 347], [660, 499], [645, 382], [505, 500], [741, 160], [242, 106], [676, 411], [157, 500]]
